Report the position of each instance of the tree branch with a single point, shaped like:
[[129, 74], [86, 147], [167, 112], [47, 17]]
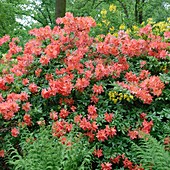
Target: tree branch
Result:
[[98, 4], [45, 18], [49, 16]]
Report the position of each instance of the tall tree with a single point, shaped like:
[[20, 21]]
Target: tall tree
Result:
[[60, 8], [9, 13]]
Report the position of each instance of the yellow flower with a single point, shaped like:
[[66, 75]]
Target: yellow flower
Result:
[[150, 21], [135, 28], [143, 23], [115, 34], [115, 92], [103, 12], [104, 21], [168, 19], [109, 93], [107, 23], [128, 31], [128, 99], [122, 27], [120, 94], [120, 98], [112, 7], [112, 95], [114, 101], [125, 96], [164, 68], [98, 38], [112, 28], [99, 24], [131, 97]]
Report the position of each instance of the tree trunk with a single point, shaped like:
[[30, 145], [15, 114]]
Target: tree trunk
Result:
[[141, 11], [60, 8], [137, 10]]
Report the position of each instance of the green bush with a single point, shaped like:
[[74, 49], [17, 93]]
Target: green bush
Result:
[[106, 89]]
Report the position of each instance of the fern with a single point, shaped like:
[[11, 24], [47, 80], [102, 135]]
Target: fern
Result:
[[48, 153], [151, 154]]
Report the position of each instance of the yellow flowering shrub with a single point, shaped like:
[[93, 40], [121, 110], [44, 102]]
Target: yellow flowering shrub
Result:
[[158, 28], [109, 20], [116, 97]]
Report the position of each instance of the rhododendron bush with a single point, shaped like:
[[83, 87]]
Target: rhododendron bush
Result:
[[111, 90]]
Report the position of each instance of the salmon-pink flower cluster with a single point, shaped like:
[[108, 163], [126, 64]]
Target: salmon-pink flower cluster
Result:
[[103, 134], [4, 39], [106, 166], [8, 109], [2, 153], [126, 162], [14, 132], [60, 128], [33, 88], [146, 128], [27, 120], [64, 113], [54, 115], [26, 106], [108, 117], [98, 152], [144, 88]]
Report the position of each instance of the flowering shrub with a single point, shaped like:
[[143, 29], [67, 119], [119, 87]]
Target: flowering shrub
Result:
[[108, 90], [108, 20]]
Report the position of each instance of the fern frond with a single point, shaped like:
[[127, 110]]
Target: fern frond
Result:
[[47, 152], [151, 154]]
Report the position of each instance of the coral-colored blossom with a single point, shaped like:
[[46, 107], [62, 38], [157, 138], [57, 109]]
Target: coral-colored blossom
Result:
[[38, 72], [98, 152], [81, 84], [2, 153], [147, 126], [1, 98], [106, 166], [143, 116], [14, 132], [60, 128], [27, 119], [9, 78], [25, 81], [44, 60], [85, 125], [108, 117], [133, 134], [63, 113], [127, 163], [98, 89], [115, 160], [94, 99], [33, 88], [4, 39], [54, 115], [26, 106], [101, 135]]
